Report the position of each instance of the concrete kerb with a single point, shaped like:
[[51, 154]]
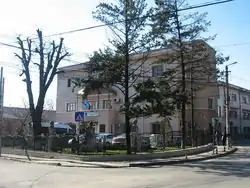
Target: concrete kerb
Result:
[[62, 164], [120, 158], [138, 157], [125, 165], [161, 163]]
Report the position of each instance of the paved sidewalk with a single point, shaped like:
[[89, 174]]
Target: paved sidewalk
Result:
[[86, 164]]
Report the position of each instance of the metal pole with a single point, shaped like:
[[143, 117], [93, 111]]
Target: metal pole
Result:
[[240, 114], [192, 106], [1, 103], [227, 107]]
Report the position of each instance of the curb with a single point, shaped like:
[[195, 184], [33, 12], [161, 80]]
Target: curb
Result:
[[182, 161], [59, 164]]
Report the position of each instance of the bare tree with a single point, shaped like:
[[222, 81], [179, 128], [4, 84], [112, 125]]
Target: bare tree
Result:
[[50, 57]]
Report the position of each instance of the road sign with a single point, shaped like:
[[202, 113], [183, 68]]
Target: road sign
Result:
[[79, 116], [92, 114], [87, 104]]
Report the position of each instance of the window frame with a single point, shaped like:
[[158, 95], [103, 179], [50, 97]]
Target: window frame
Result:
[[71, 106], [157, 70]]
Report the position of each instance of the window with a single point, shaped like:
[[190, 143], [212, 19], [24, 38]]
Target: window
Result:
[[102, 128], [210, 103], [105, 104], [233, 114], [234, 97], [70, 107], [246, 114], [94, 105], [156, 128], [246, 129], [157, 70], [69, 83], [244, 100]]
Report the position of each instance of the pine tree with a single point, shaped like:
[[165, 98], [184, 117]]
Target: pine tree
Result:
[[110, 67], [189, 54]]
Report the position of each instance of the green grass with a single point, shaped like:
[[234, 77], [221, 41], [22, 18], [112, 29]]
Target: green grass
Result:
[[124, 152]]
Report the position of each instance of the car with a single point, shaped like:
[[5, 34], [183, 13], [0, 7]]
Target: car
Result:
[[105, 138], [119, 142]]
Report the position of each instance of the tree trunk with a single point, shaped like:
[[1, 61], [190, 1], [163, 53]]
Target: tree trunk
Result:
[[126, 85], [36, 120]]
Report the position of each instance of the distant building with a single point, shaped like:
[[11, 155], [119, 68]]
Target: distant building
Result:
[[239, 110], [111, 120], [15, 117]]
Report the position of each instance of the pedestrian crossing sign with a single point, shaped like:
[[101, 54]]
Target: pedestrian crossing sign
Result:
[[79, 116]]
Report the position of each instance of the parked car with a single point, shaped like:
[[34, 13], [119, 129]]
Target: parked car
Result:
[[143, 142], [119, 141], [105, 138]]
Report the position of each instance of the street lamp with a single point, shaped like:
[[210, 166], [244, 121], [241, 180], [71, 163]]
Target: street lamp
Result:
[[227, 103]]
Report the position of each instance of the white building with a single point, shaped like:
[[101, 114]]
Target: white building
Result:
[[239, 111], [110, 118]]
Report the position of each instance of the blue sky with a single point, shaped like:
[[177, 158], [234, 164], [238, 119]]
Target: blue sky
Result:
[[229, 21]]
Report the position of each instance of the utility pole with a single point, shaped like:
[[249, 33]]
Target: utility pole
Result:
[[1, 105], [192, 105], [227, 106]]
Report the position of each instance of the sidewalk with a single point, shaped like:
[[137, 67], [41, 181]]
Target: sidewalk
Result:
[[78, 163]]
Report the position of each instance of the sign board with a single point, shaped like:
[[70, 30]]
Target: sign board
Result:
[[92, 114], [79, 116], [87, 104]]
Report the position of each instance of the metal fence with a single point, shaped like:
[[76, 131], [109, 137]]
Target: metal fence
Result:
[[76, 144]]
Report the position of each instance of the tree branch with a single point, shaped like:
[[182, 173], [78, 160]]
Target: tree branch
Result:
[[26, 62], [41, 64], [58, 59]]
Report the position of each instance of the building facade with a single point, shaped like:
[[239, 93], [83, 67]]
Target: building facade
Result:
[[239, 109], [14, 118], [107, 103]]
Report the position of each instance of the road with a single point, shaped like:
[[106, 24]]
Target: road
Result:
[[229, 172]]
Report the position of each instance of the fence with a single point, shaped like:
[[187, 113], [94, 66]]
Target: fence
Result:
[[139, 142]]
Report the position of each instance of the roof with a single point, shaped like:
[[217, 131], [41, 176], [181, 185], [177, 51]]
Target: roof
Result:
[[153, 52], [221, 83], [17, 112], [73, 67]]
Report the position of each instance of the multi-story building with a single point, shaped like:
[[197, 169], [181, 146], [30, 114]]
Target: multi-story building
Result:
[[239, 109], [108, 102]]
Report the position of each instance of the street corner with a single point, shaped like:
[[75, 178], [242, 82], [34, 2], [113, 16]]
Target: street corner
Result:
[[68, 163], [184, 160]]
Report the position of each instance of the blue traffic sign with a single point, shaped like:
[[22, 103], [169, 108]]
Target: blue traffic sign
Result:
[[87, 105], [79, 116]]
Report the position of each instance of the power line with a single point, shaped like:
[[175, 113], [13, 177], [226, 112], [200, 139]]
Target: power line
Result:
[[239, 78], [104, 25], [236, 44]]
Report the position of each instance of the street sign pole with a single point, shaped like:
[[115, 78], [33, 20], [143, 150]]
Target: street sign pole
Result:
[[79, 118]]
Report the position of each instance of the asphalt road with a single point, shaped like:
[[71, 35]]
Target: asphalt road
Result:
[[229, 172]]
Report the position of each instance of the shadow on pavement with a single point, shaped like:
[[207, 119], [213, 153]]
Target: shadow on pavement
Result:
[[226, 166]]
